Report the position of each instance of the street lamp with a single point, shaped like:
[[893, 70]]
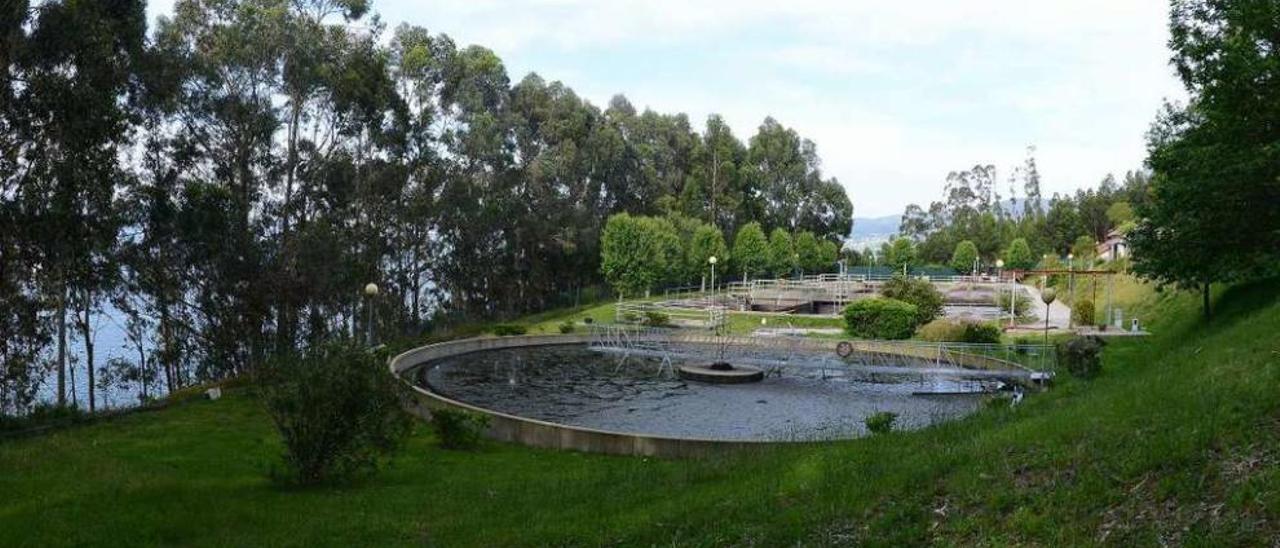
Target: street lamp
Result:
[[712, 260], [999, 275], [1048, 295], [1071, 287], [370, 291]]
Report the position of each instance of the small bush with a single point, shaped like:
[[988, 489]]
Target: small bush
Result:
[[509, 329], [981, 333], [458, 429], [1081, 356], [880, 319], [1021, 303], [338, 412], [656, 319], [881, 422], [1082, 313], [43, 414], [942, 330], [567, 327], [920, 293]]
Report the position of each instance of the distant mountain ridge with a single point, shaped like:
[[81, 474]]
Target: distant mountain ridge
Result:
[[864, 227], [870, 227]]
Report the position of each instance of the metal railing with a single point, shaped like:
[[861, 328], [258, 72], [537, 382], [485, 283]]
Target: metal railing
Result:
[[1020, 362], [649, 313]]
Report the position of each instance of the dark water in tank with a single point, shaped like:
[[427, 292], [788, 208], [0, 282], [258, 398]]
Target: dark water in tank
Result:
[[575, 386]]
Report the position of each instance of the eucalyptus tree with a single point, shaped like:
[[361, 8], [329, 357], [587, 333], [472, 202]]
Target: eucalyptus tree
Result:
[[68, 121], [714, 188]]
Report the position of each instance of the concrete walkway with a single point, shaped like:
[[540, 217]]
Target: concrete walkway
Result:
[[1059, 314]]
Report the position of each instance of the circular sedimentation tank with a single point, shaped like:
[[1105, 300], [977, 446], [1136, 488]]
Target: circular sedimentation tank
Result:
[[554, 391]]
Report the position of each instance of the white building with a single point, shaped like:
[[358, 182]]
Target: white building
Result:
[[1114, 247]]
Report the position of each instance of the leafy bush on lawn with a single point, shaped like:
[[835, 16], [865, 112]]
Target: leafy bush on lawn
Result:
[[1021, 303], [880, 319], [1082, 356], [43, 414], [943, 330], [1083, 312], [567, 327], [927, 300], [338, 411], [509, 329], [981, 333], [458, 429], [656, 319], [881, 422]]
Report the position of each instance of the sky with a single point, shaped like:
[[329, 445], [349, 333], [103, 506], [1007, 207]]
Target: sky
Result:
[[894, 94]]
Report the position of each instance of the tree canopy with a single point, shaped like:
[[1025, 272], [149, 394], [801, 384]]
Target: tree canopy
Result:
[[1211, 215], [231, 177]]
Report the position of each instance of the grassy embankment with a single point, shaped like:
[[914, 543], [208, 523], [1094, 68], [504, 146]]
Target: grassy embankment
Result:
[[1177, 441]]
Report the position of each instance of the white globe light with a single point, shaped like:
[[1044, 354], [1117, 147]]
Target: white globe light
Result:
[[999, 263], [712, 260], [371, 289]]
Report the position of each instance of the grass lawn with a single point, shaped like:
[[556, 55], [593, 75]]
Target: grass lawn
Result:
[[1177, 442]]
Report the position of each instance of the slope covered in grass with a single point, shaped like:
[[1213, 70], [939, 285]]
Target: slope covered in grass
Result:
[[1178, 441]]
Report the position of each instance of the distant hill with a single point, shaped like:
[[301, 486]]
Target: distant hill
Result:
[[870, 232], [875, 226]]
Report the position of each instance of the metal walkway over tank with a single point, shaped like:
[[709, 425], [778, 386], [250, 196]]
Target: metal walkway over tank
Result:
[[1021, 363]]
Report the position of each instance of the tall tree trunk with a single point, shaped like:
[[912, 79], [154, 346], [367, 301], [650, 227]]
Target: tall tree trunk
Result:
[[1208, 311], [86, 331], [166, 345], [142, 371], [62, 344]]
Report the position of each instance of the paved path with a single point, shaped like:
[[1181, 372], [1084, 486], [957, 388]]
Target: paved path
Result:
[[1059, 314]]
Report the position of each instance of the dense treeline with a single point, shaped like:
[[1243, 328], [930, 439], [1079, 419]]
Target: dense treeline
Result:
[[641, 253], [231, 178], [974, 221]]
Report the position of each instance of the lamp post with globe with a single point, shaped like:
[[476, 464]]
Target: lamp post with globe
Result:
[[1048, 296], [712, 260], [370, 291], [1071, 287]]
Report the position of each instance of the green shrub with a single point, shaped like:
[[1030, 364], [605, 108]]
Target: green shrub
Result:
[[1082, 313], [1021, 303], [927, 300], [656, 319], [43, 414], [509, 329], [981, 333], [1081, 356], [881, 422], [942, 330], [338, 412], [458, 429], [880, 319], [567, 327]]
